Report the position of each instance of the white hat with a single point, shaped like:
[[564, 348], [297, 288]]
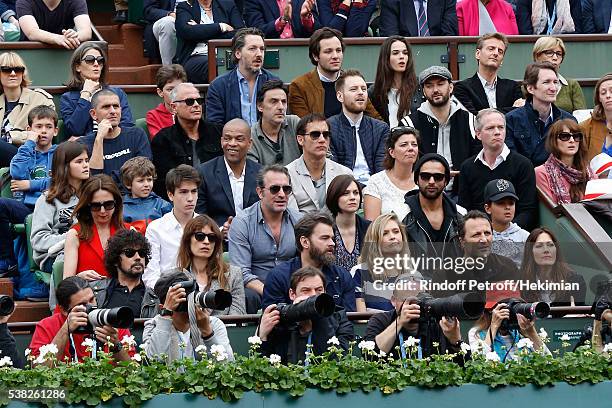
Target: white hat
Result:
[[600, 189], [601, 163]]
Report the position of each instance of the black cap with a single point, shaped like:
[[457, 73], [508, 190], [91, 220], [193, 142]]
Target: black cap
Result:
[[167, 280], [497, 189], [431, 157]]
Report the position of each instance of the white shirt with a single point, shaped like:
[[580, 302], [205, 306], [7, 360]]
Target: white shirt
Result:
[[498, 160], [202, 47], [237, 185], [164, 234], [610, 26], [323, 78], [187, 350], [489, 89], [390, 196], [361, 171], [393, 107]]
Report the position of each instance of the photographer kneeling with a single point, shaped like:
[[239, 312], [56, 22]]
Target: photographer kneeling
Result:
[[76, 321], [602, 309], [507, 322], [311, 320], [183, 324]]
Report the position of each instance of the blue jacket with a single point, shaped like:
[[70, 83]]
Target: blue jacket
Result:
[[353, 22], [215, 197], [76, 117], [340, 285], [153, 10], [596, 16], [398, 17], [30, 164], [526, 133], [223, 97], [144, 209], [264, 13], [373, 135]]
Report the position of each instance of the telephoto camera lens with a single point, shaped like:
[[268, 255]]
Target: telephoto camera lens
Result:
[[7, 305], [117, 317], [532, 310], [214, 299], [462, 305], [314, 307]]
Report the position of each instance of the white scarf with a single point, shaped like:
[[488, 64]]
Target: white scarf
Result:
[[539, 17]]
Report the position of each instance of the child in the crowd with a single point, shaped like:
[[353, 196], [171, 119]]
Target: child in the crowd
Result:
[[29, 170], [141, 205], [500, 203], [167, 78]]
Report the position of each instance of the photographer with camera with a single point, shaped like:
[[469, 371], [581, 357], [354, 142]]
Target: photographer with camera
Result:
[[74, 322], [309, 321], [184, 322], [602, 309], [8, 346], [504, 323], [434, 323]]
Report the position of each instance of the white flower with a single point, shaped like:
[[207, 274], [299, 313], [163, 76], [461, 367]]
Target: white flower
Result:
[[143, 346], [6, 362], [89, 343], [465, 348], [333, 341], [366, 345], [136, 357], [254, 340], [524, 343], [128, 341], [48, 349], [275, 359], [543, 335], [607, 348], [382, 354], [201, 349], [27, 352], [218, 351], [565, 337], [411, 342], [492, 356]]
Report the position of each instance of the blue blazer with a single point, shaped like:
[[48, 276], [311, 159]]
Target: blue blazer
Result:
[[398, 17], [373, 135], [215, 194], [223, 96], [596, 16], [355, 23], [263, 14]]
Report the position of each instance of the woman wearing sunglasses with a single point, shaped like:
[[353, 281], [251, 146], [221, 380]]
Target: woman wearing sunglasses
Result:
[[386, 190], [16, 101], [200, 256], [99, 216], [564, 175], [89, 67]]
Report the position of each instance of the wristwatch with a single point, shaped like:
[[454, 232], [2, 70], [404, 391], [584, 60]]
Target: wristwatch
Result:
[[166, 312]]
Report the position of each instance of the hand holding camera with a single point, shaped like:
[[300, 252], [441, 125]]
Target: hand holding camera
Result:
[[499, 314], [176, 295], [410, 313], [451, 329], [203, 321], [107, 334], [269, 320], [77, 318]]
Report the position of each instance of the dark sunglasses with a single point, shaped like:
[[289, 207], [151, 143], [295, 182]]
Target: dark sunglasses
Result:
[[438, 177], [565, 136], [90, 59], [108, 205], [402, 130], [8, 70], [191, 101], [275, 189], [130, 252], [201, 236], [316, 134]]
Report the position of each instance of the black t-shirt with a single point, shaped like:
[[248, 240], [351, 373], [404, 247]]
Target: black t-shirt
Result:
[[53, 21], [119, 295], [331, 105]]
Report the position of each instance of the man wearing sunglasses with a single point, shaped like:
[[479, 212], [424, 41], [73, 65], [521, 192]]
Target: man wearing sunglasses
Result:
[[191, 140], [312, 173], [125, 257], [433, 218]]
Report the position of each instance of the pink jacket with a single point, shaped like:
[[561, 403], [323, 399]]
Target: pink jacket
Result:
[[501, 13]]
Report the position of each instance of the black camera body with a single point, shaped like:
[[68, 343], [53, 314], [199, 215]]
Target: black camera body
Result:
[[528, 310], [117, 317], [189, 286], [315, 307], [7, 305], [462, 306]]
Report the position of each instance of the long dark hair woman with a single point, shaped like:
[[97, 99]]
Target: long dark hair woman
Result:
[[544, 261], [395, 92], [89, 69], [200, 256], [99, 216]]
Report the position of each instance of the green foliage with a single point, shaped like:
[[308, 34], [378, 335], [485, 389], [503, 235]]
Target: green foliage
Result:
[[99, 380]]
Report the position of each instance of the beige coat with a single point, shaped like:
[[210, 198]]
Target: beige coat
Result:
[[18, 118]]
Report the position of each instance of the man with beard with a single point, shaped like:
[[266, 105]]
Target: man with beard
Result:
[[312, 173], [433, 218], [445, 126], [126, 256], [359, 141], [233, 95], [314, 238]]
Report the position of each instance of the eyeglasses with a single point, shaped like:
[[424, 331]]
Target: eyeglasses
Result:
[[402, 130], [201, 236], [108, 205], [316, 134], [7, 70], [438, 177], [565, 136], [275, 189], [550, 53], [130, 252], [90, 59], [191, 101]]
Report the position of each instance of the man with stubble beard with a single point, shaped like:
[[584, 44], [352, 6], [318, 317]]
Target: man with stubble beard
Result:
[[126, 256], [314, 238]]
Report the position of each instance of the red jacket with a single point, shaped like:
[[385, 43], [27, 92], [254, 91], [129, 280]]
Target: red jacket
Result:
[[158, 119]]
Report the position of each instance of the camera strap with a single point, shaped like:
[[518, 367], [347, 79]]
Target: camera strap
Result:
[[308, 344], [403, 348]]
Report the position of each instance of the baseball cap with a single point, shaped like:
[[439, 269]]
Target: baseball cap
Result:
[[601, 163], [497, 189], [433, 71]]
